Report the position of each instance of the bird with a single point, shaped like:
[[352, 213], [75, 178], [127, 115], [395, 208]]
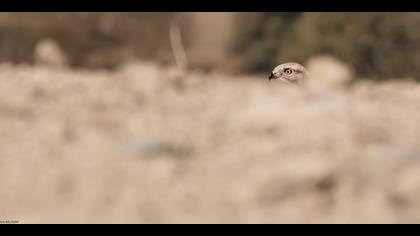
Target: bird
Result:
[[291, 72]]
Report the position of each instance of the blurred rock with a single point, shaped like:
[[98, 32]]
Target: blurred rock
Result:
[[329, 72], [49, 53], [406, 185]]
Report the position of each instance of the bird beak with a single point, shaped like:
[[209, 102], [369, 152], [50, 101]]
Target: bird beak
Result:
[[271, 76]]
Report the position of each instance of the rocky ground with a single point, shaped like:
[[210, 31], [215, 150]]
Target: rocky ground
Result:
[[132, 146]]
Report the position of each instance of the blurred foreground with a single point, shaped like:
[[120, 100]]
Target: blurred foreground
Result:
[[130, 146]]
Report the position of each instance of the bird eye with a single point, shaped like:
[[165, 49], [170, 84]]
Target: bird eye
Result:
[[288, 71]]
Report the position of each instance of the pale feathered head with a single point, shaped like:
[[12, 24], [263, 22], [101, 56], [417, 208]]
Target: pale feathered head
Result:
[[289, 72]]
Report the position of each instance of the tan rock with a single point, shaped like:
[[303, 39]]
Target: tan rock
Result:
[[328, 71], [49, 53]]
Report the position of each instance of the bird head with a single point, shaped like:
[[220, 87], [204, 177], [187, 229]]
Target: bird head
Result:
[[289, 72]]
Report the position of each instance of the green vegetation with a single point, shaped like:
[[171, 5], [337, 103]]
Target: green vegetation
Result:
[[378, 45]]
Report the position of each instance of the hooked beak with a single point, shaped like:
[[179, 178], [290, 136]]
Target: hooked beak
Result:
[[271, 76]]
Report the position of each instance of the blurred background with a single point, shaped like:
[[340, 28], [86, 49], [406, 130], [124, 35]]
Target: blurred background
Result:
[[169, 118], [378, 45]]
